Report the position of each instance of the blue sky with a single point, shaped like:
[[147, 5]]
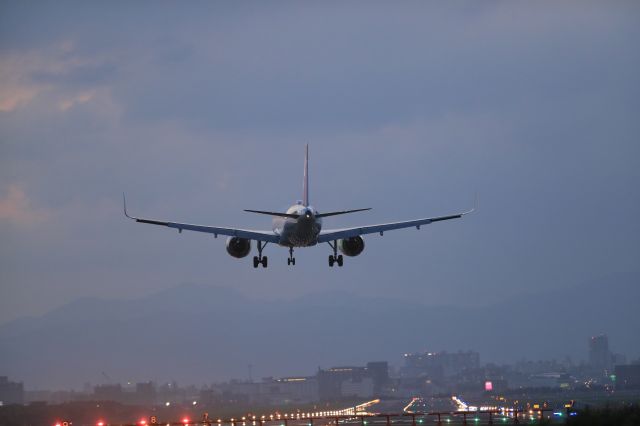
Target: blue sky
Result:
[[201, 110]]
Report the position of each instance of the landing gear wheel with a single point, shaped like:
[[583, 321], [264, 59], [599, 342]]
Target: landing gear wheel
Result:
[[340, 260], [255, 261], [331, 260], [264, 261]]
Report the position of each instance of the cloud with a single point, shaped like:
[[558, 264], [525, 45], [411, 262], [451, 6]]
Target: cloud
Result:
[[69, 77], [15, 208], [199, 112], [15, 89], [78, 99]]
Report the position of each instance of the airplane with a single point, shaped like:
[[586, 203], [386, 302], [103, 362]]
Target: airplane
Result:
[[299, 226]]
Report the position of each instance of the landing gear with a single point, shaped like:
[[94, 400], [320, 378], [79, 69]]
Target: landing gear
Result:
[[291, 260], [335, 257], [260, 259]]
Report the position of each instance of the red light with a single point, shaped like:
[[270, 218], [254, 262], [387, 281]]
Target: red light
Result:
[[143, 422], [185, 420], [100, 423], [58, 424]]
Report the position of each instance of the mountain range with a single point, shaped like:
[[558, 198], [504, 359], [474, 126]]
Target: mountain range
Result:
[[201, 334]]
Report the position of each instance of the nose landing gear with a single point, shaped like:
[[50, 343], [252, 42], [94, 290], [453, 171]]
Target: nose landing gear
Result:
[[260, 259], [291, 260], [335, 257]]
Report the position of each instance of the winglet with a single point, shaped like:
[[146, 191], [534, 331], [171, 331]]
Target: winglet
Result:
[[475, 205], [124, 205]]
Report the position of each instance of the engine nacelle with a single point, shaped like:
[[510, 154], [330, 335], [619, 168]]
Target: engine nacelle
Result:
[[238, 247], [351, 246]]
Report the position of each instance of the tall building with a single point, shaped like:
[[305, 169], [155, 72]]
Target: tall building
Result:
[[599, 354], [379, 372], [11, 392]]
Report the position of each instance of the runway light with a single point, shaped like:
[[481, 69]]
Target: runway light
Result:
[[143, 422], [100, 423], [185, 420]]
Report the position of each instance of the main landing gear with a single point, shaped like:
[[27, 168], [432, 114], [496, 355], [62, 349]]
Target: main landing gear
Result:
[[260, 259], [335, 257], [291, 260]]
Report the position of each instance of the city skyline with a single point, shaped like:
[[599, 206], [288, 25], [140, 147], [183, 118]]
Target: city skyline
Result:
[[161, 323], [439, 366]]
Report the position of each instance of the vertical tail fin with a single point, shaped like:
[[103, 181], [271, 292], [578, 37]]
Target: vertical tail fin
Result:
[[305, 183]]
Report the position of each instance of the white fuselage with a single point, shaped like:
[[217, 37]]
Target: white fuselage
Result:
[[300, 232]]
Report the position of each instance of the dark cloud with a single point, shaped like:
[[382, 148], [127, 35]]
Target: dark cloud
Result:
[[203, 110]]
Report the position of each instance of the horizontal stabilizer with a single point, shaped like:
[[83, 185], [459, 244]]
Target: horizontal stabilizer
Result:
[[292, 216], [341, 212]]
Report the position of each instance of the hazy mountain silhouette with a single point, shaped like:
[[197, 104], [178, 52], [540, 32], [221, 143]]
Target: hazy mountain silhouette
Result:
[[199, 334]]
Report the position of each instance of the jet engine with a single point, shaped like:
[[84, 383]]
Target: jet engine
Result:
[[238, 247], [351, 246]]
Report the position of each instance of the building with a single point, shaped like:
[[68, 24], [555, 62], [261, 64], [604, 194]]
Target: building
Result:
[[297, 390], [109, 393], [379, 373], [145, 394], [357, 389], [599, 354], [282, 391], [11, 392], [439, 365], [342, 382], [627, 376], [330, 381]]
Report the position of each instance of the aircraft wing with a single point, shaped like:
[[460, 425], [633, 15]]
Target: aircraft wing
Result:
[[266, 236], [337, 234]]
